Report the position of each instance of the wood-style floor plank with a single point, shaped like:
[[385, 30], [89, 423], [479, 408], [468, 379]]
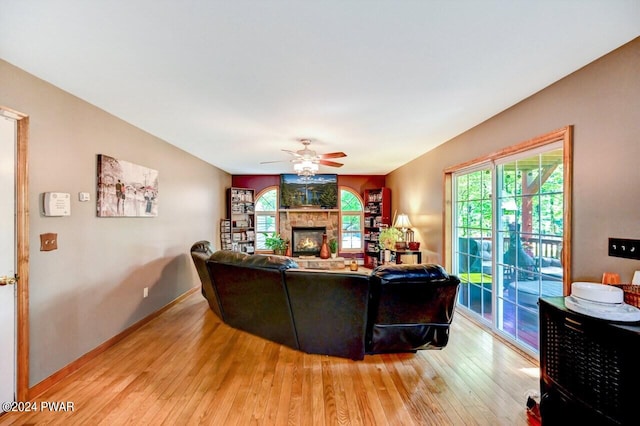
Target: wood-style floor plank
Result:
[[187, 367]]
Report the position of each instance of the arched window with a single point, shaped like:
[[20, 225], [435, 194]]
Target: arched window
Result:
[[266, 210], [351, 220]]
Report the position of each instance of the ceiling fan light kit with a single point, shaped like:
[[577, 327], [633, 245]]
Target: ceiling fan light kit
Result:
[[306, 168]]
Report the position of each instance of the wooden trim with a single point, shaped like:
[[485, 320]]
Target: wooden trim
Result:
[[447, 217], [568, 208], [551, 137], [22, 245], [22, 250], [45, 384]]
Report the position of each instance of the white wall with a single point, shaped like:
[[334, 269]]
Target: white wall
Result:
[[91, 288]]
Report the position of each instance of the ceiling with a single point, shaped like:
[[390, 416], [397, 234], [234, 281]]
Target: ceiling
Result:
[[235, 82]]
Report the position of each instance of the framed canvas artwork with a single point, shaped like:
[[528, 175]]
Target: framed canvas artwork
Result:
[[126, 189]]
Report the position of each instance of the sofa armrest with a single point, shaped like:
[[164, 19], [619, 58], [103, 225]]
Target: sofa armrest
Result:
[[200, 252]]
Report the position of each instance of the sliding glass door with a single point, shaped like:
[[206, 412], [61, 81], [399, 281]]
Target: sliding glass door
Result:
[[508, 226]]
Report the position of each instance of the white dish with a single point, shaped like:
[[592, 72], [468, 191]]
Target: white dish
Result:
[[612, 307], [611, 312], [594, 292]]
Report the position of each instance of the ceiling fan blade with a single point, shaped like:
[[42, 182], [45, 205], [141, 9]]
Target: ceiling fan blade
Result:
[[333, 155], [330, 163], [276, 161]]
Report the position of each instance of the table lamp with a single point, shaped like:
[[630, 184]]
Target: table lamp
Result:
[[402, 222]]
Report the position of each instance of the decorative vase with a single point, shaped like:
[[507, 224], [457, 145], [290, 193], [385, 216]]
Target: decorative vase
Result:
[[324, 248], [288, 253]]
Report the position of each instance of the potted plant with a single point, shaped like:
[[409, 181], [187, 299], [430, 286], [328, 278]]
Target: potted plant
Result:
[[333, 247], [276, 243], [387, 241], [388, 238]]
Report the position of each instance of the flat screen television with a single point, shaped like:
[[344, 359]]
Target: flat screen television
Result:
[[318, 191]]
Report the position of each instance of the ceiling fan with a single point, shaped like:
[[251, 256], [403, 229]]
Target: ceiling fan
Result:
[[305, 161]]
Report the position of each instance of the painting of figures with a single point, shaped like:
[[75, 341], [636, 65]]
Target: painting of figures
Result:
[[126, 189]]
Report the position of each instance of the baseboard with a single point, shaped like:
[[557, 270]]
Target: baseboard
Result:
[[45, 384]]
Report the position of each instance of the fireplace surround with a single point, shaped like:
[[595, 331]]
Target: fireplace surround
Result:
[[306, 240]]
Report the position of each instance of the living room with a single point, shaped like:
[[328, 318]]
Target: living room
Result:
[[90, 289]]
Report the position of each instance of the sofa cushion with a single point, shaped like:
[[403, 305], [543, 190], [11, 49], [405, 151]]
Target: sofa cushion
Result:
[[280, 263], [400, 274]]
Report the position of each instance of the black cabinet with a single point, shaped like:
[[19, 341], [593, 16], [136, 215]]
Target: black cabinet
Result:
[[589, 368]]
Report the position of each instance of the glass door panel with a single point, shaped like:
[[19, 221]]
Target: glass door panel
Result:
[[530, 230], [473, 228]]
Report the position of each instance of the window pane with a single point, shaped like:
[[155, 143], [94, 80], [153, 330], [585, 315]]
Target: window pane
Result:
[[351, 223], [265, 224], [352, 240], [267, 201], [349, 201]]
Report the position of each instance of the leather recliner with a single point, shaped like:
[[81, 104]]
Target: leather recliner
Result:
[[414, 308]]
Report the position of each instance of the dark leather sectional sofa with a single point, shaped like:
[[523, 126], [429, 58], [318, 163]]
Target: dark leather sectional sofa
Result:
[[396, 308]]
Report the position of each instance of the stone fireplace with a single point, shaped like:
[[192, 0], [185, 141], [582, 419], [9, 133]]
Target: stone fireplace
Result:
[[327, 220], [306, 240]]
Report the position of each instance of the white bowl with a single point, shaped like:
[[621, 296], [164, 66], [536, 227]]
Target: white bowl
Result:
[[594, 292]]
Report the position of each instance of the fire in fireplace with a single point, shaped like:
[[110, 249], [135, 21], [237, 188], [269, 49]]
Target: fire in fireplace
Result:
[[306, 241]]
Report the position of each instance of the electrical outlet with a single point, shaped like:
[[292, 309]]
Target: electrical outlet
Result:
[[624, 247], [145, 292]]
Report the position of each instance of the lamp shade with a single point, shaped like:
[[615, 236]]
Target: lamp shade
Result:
[[402, 221]]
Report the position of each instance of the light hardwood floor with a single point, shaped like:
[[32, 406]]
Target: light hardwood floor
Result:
[[186, 367]]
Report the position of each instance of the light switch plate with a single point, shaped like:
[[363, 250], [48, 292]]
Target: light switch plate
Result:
[[48, 242], [624, 247], [84, 196]]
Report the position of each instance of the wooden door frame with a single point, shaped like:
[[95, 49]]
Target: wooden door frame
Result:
[[22, 251]]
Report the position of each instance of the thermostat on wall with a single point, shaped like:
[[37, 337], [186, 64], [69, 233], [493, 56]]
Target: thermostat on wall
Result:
[[57, 204]]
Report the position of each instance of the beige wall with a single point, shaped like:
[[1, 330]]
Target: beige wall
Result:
[[90, 289], [602, 102]]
